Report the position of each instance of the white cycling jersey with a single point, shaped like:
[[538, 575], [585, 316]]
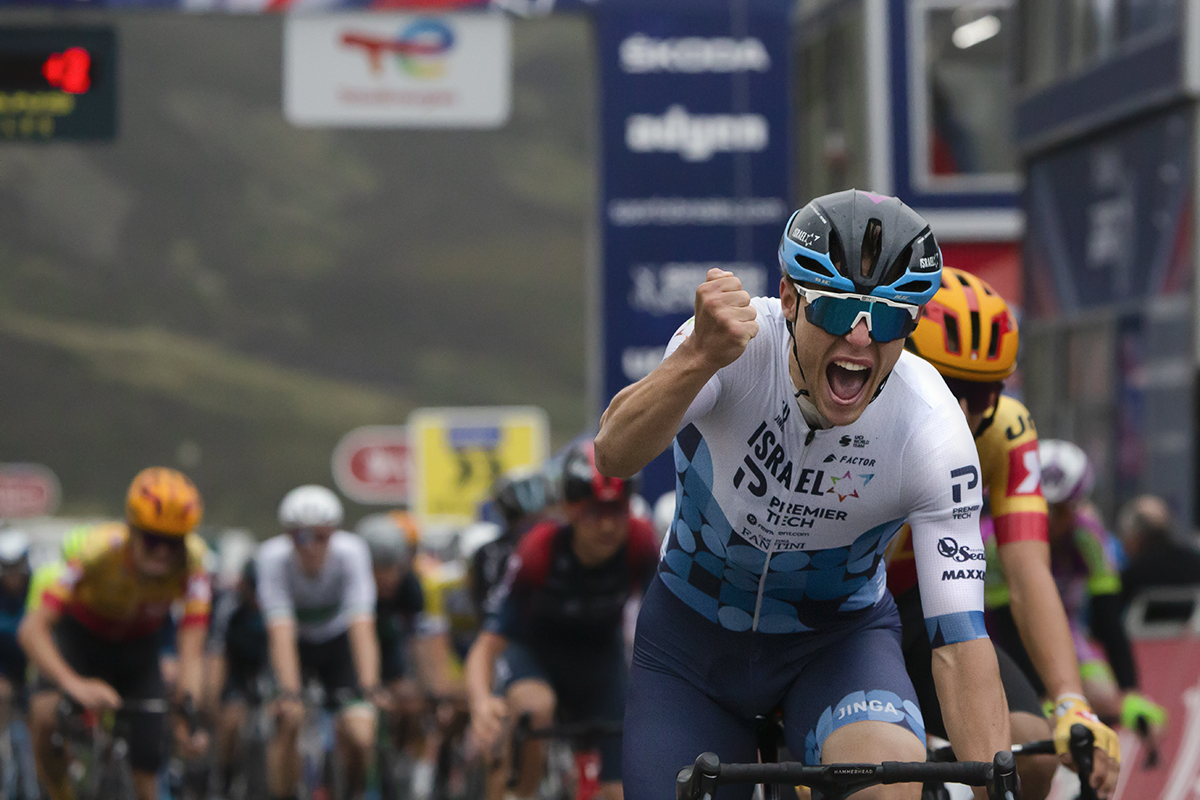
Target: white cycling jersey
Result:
[[324, 605], [782, 528]]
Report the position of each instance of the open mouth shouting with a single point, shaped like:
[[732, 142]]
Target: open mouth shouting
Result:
[[847, 379]]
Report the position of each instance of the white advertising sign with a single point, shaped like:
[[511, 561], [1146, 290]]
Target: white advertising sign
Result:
[[383, 70]]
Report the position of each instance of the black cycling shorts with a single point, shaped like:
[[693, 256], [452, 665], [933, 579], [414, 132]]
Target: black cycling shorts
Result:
[[132, 668], [918, 658], [332, 664]]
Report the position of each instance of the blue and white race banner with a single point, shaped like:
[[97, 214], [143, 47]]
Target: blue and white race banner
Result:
[[695, 169]]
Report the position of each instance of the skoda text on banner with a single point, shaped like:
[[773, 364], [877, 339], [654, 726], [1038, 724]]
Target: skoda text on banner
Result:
[[695, 171]]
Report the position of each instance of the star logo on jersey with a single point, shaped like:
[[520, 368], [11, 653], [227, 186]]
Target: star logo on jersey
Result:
[[848, 485]]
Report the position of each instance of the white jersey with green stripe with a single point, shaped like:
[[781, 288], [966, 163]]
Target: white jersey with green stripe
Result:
[[322, 605], [781, 527]]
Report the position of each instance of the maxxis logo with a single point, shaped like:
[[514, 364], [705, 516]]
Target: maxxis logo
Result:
[[696, 137]]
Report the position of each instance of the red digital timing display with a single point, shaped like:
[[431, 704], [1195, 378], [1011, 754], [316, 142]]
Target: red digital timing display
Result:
[[69, 70]]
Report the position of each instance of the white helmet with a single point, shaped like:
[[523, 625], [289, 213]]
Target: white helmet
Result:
[[14, 548], [1066, 472], [310, 507], [475, 536]]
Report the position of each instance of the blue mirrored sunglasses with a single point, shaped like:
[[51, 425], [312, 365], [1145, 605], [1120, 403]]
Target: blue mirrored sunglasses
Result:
[[838, 313]]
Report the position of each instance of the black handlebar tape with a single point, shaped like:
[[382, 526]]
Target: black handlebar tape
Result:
[[971, 773], [1080, 745], [1042, 747]]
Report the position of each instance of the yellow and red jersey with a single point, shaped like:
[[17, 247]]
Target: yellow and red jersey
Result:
[[99, 586], [1008, 459]]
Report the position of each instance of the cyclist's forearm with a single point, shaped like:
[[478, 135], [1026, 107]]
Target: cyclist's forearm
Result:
[[190, 642], [285, 657], [480, 666], [642, 419], [364, 648], [974, 708], [37, 639], [1041, 620]]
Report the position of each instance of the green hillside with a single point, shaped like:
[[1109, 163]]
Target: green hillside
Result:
[[221, 291]]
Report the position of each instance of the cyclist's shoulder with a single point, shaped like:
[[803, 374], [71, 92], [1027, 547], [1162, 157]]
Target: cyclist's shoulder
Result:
[[349, 546], [643, 541], [274, 550], [197, 552], [1011, 428], [95, 544]]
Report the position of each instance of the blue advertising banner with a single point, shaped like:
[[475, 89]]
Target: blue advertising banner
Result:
[[694, 170], [1109, 219]]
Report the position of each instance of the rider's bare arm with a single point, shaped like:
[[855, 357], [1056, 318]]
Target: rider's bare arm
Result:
[[643, 418], [481, 664], [1038, 611], [284, 654], [974, 708], [190, 640], [37, 639], [364, 647]]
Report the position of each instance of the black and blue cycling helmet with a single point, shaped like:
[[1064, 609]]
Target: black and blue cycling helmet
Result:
[[864, 243]]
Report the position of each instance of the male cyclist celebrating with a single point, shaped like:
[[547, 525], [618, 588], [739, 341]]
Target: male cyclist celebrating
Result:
[[969, 334], [804, 438], [96, 633], [318, 597]]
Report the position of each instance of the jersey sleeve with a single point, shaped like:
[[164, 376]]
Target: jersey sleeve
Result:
[[358, 598], [197, 595], [1008, 455], [709, 393], [85, 552], [942, 481], [527, 567], [273, 595]]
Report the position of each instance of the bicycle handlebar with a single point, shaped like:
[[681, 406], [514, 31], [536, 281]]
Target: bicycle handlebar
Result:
[[700, 780]]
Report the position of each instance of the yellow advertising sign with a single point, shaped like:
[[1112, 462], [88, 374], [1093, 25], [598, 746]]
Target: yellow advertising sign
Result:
[[458, 453]]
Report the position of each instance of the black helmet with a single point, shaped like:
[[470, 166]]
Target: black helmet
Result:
[[863, 243], [521, 493], [582, 481]]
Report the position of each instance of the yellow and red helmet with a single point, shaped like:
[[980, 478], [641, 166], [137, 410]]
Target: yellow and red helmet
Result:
[[162, 500], [967, 330]]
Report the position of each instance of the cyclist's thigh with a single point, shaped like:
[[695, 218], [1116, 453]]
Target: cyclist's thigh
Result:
[[1017, 689], [668, 722], [140, 678], [857, 678], [595, 693]]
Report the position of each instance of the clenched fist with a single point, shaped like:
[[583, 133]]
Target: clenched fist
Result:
[[725, 320]]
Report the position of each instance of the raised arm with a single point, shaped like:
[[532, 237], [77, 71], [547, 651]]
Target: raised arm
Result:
[[642, 419]]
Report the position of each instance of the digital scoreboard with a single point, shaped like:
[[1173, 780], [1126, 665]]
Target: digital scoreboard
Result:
[[58, 83]]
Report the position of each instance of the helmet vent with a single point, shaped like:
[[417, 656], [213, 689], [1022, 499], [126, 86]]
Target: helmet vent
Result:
[[813, 265], [914, 286], [872, 246], [975, 331], [837, 253], [953, 344], [994, 345], [963, 281], [898, 267]]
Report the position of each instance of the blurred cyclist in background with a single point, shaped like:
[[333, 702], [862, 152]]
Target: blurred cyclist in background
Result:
[[241, 646], [399, 607], [318, 597], [521, 497], [552, 640], [96, 633], [14, 593], [969, 334], [1084, 566]]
